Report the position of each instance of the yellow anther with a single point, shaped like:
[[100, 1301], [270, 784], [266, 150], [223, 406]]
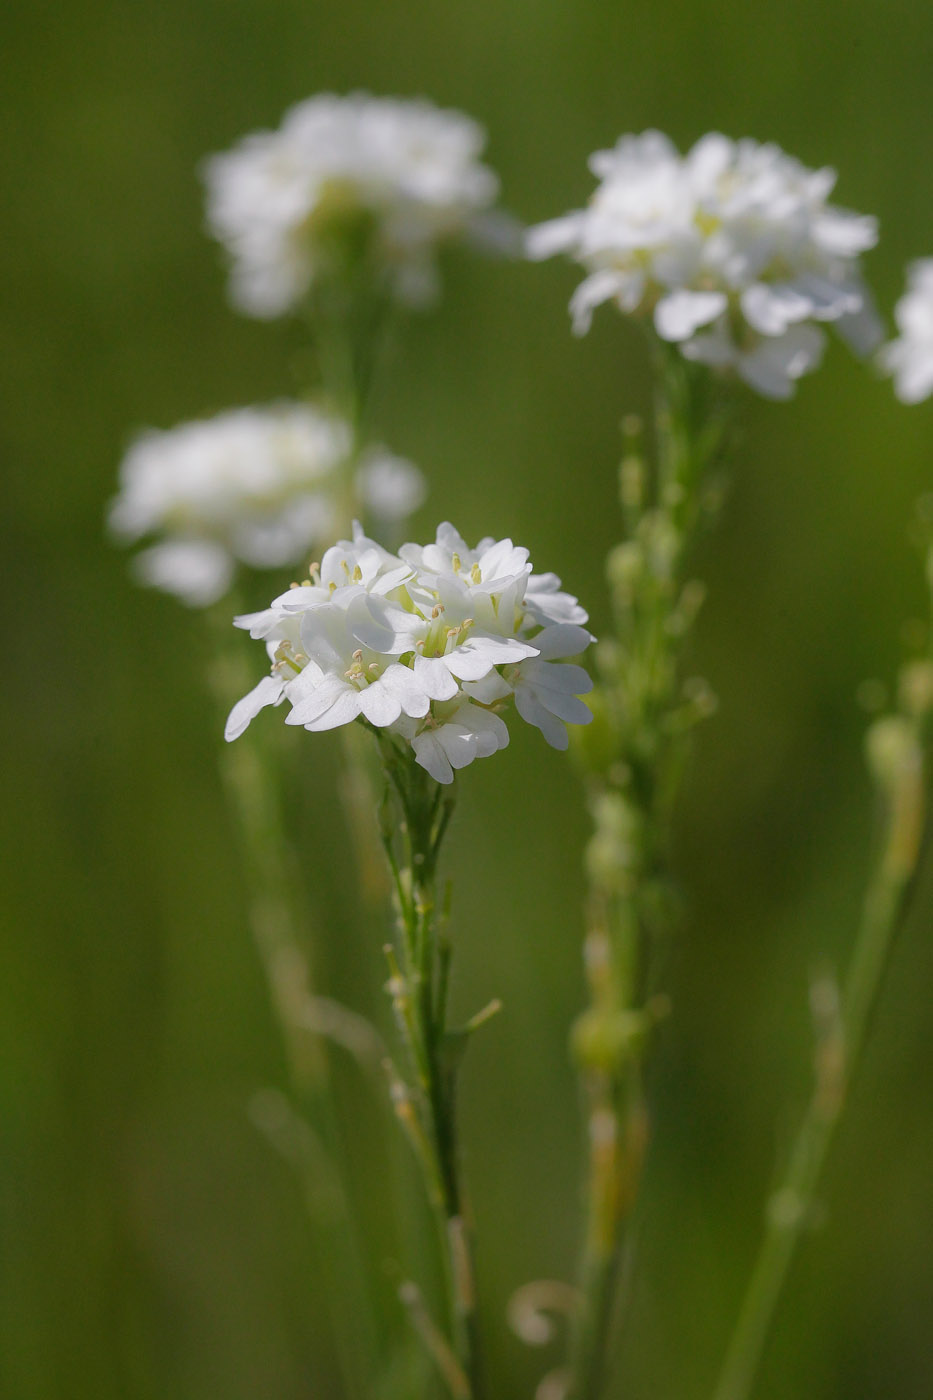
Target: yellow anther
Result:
[[293, 584], [455, 563], [454, 631], [358, 654], [468, 622], [357, 574], [345, 566], [373, 668], [332, 587], [475, 574]]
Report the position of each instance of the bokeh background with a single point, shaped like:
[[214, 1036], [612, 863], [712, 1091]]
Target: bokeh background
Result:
[[153, 1242]]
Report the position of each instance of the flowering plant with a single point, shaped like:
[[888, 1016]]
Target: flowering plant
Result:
[[733, 250]]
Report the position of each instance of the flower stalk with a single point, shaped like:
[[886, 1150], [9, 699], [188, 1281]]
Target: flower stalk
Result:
[[898, 756], [415, 817], [634, 753]]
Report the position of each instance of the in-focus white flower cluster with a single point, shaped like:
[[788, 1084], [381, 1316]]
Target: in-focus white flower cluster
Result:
[[428, 645], [909, 358], [258, 486], [732, 248], [278, 198]]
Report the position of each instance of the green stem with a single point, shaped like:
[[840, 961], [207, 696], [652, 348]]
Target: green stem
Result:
[[839, 1053], [432, 1048], [634, 783]]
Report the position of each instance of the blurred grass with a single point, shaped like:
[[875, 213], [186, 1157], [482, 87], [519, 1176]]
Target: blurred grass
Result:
[[153, 1245]]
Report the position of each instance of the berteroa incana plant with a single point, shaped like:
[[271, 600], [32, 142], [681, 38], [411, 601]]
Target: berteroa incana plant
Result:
[[734, 262]]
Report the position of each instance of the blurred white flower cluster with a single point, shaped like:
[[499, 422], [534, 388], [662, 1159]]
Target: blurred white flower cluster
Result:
[[732, 248], [428, 645], [909, 358], [256, 486], [405, 173]]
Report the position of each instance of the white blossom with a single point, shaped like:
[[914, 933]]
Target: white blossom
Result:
[[281, 201], [428, 645], [254, 486], [909, 358], [733, 250]]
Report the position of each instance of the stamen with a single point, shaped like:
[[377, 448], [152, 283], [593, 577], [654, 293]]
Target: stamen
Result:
[[357, 574], [476, 574], [455, 563]]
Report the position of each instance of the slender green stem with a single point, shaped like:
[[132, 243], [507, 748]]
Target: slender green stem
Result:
[[634, 773], [839, 1051], [421, 1000]]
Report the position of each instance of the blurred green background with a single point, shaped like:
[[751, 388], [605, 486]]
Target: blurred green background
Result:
[[152, 1243]]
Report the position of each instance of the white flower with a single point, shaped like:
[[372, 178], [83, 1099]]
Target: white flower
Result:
[[733, 249], [406, 171], [257, 486], [428, 645], [909, 358]]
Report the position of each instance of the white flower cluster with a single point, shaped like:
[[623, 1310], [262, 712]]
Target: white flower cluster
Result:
[[428, 645], [909, 358], [733, 248], [277, 199], [259, 486]]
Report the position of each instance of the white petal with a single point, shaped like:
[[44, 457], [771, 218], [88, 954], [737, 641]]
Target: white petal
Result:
[[379, 705], [555, 236], [489, 731], [381, 627], [327, 693], [196, 571], [771, 309], [267, 692], [534, 712], [344, 710], [431, 756], [478, 654], [488, 690], [432, 674], [402, 682], [680, 313], [458, 743], [772, 366], [561, 639], [601, 286]]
